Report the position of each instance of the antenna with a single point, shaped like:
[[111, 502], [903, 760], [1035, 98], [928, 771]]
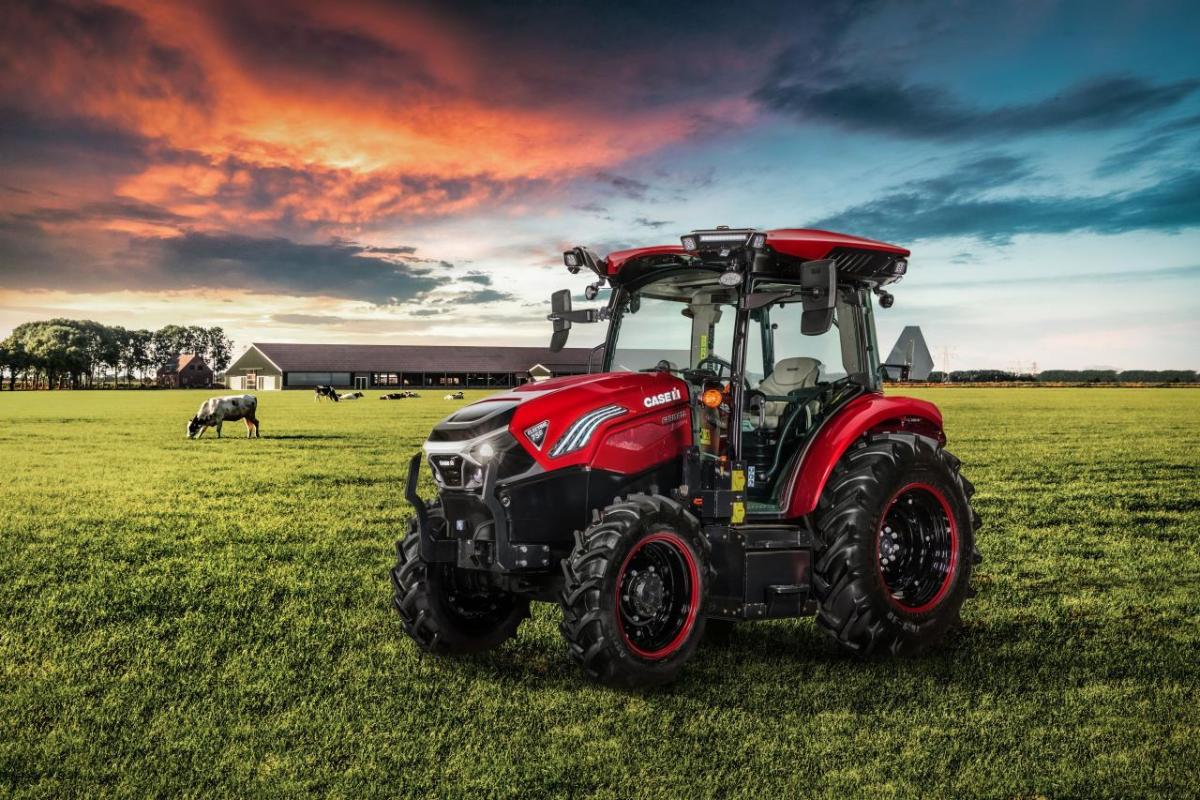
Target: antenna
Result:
[[947, 354]]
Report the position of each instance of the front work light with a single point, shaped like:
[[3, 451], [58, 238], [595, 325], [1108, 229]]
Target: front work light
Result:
[[722, 240], [571, 259]]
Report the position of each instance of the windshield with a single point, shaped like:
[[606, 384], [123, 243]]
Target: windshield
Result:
[[681, 318]]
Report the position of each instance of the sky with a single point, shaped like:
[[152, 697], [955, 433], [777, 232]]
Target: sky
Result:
[[386, 172]]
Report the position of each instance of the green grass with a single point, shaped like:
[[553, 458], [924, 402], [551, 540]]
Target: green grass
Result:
[[213, 619]]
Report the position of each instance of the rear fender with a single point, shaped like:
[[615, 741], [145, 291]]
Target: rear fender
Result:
[[865, 414]]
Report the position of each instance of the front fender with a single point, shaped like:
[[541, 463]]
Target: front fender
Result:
[[863, 414]]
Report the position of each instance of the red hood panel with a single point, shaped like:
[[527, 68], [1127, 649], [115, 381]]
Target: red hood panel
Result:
[[650, 400]]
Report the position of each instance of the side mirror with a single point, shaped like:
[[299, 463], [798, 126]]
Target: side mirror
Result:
[[562, 316], [560, 306], [819, 282]]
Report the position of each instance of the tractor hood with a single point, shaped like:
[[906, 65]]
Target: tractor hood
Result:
[[559, 422]]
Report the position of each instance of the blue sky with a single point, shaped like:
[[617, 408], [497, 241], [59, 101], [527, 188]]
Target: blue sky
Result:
[[397, 173]]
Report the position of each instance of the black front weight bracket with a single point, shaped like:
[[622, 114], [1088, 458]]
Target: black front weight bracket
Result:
[[432, 550]]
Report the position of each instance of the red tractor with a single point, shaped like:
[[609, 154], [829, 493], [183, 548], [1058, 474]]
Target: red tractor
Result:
[[733, 460]]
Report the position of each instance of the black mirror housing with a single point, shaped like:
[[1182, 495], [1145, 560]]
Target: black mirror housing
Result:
[[819, 281]]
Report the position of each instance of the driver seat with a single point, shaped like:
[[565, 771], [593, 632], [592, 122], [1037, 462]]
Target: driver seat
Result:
[[789, 375]]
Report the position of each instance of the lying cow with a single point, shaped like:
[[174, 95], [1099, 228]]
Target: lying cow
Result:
[[454, 396], [217, 410], [350, 396], [326, 392]]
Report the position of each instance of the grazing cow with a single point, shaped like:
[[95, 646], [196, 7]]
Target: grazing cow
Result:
[[326, 392], [217, 410], [454, 396], [350, 396]]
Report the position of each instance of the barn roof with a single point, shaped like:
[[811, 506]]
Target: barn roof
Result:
[[418, 358]]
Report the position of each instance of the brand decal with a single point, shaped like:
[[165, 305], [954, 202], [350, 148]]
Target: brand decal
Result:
[[676, 417], [661, 398], [536, 434]]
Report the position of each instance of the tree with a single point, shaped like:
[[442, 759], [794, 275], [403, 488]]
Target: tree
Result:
[[218, 351], [138, 354]]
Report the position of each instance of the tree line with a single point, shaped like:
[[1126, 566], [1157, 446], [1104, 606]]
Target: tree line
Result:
[[1067, 376], [78, 354]]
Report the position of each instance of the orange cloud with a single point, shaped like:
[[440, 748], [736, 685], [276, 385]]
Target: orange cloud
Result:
[[331, 115]]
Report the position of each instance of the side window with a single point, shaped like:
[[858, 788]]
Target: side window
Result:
[[777, 337], [790, 343]]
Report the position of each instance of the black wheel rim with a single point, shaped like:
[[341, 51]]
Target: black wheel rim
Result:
[[917, 548], [657, 596]]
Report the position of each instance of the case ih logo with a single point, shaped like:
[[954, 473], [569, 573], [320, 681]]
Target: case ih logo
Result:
[[537, 433], [659, 399]]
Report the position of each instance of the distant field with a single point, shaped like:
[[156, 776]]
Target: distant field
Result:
[[212, 619]]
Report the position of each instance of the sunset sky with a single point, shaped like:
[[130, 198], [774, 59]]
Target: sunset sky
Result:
[[410, 172]]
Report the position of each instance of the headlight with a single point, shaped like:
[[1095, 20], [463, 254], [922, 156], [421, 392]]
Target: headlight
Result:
[[462, 465]]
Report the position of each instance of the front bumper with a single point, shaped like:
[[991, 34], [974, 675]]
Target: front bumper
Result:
[[483, 545]]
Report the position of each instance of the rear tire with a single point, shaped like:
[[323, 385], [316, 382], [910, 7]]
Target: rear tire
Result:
[[634, 593], [448, 610], [897, 536]]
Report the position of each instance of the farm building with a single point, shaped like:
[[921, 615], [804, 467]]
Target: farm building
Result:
[[267, 366], [187, 371]]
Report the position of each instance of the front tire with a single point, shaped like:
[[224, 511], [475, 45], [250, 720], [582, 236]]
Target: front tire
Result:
[[447, 610], [634, 592], [897, 536]]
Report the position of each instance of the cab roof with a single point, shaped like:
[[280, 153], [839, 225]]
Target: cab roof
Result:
[[803, 243]]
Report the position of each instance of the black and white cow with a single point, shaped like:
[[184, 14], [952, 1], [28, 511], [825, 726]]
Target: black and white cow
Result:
[[217, 410], [326, 392]]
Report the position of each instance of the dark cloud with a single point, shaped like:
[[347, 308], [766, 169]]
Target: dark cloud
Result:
[[1160, 141], [484, 296], [104, 211], [94, 46], [626, 187], [288, 45], [477, 277], [280, 265], [932, 112], [33, 258], [67, 143], [652, 223], [910, 213]]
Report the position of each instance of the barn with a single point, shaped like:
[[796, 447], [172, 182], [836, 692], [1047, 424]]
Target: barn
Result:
[[266, 366], [187, 371]]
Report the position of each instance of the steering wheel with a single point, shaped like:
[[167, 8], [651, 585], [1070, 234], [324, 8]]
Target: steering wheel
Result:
[[720, 362]]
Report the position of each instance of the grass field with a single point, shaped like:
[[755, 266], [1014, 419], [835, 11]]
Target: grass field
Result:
[[212, 619]]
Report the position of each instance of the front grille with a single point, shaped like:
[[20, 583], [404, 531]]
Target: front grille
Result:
[[449, 469]]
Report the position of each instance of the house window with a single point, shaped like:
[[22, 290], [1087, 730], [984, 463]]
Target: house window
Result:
[[385, 379]]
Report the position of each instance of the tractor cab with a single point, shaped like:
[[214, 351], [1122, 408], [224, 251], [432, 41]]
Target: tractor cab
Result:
[[768, 342]]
